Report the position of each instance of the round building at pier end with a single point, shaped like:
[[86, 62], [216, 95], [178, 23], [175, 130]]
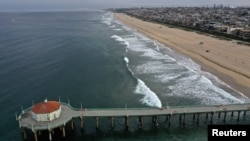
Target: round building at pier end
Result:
[[46, 111]]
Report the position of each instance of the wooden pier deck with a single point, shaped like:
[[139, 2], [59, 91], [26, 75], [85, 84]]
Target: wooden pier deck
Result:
[[68, 113]]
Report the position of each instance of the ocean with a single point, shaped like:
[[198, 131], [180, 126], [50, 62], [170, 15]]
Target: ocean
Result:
[[91, 58]]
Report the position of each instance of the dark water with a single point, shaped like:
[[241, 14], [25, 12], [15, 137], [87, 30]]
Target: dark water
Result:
[[90, 58]]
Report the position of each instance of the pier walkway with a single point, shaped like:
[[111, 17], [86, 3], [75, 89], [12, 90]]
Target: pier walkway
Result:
[[68, 113]]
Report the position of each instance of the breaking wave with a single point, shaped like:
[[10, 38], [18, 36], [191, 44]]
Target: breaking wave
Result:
[[150, 98]]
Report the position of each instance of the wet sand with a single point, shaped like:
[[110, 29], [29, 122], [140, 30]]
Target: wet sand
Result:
[[225, 59]]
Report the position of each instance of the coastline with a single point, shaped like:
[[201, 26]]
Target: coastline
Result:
[[227, 60]]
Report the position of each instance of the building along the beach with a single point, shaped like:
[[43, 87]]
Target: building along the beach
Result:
[[216, 20]]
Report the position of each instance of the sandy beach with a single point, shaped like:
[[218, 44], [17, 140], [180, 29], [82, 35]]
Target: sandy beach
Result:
[[225, 59]]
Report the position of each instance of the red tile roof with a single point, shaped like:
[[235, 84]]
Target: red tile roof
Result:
[[46, 107]]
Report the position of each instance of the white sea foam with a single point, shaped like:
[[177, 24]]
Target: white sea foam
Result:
[[139, 46], [150, 68], [166, 77], [157, 67], [204, 88], [118, 22], [126, 43], [117, 29], [126, 28], [142, 37], [107, 19], [200, 87], [190, 65], [210, 76], [120, 39], [157, 55], [162, 45], [107, 22], [150, 98], [126, 60], [117, 38], [157, 47]]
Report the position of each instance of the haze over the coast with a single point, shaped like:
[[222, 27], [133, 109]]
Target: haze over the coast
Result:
[[16, 5]]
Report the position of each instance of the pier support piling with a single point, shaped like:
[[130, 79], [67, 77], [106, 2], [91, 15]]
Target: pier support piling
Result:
[[169, 120], [194, 117], [140, 121], [238, 118], [24, 133], [198, 116], [52, 131], [126, 122], [232, 114], [72, 124], [97, 122], [184, 119], [50, 136], [244, 115], [63, 131], [225, 115], [206, 116], [219, 115], [82, 123], [154, 120], [112, 122], [211, 120], [35, 135]]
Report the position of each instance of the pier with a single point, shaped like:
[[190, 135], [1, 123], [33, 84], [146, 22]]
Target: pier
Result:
[[68, 114]]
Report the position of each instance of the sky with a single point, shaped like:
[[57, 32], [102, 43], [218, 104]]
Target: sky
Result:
[[15, 5]]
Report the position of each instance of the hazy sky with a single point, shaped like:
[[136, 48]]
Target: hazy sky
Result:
[[102, 4]]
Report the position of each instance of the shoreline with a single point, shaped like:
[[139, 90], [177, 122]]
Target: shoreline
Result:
[[227, 60]]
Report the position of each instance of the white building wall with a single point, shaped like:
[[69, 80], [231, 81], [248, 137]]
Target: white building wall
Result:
[[47, 117]]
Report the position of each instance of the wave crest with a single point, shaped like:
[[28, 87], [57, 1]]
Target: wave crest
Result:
[[150, 98]]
